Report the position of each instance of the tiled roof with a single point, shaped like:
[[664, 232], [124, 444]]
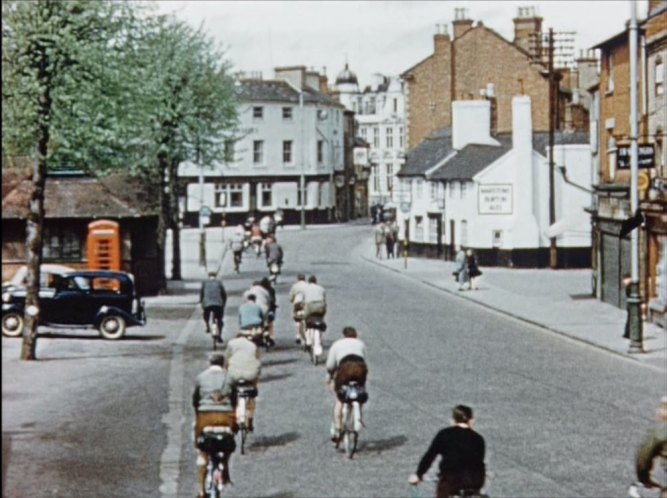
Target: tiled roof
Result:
[[541, 139], [472, 159], [428, 153], [281, 91], [79, 197]]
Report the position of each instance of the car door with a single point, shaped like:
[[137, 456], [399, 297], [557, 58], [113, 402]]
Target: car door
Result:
[[71, 302]]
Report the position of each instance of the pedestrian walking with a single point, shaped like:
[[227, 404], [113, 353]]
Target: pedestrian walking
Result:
[[473, 269], [389, 242], [380, 240], [654, 447], [461, 271]]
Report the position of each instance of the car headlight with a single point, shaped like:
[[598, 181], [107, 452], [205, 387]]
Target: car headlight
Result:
[[6, 297]]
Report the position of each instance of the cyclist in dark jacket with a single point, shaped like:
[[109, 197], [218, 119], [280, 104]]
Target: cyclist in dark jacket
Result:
[[212, 297]]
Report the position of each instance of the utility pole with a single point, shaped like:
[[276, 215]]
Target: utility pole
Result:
[[553, 249], [302, 180], [634, 299]]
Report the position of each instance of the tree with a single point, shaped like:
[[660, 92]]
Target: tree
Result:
[[190, 103], [61, 95]]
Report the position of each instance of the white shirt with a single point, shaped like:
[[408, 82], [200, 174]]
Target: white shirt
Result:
[[314, 292], [342, 348], [296, 293]]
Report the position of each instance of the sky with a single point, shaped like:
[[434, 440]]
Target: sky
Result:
[[386, 37]]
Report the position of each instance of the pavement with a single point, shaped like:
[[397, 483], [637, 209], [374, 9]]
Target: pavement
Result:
[[559, 301]]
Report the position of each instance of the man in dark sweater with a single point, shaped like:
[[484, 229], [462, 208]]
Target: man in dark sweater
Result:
[[462, 456]]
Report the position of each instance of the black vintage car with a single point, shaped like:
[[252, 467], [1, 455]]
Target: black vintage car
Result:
[[105, 300]]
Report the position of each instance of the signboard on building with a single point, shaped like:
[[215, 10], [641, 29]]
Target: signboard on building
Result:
[[645, 156], [495, 199], [360, 156]]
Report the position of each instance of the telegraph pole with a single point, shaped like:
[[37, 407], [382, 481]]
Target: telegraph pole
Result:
[[553, 249], [634, 299]]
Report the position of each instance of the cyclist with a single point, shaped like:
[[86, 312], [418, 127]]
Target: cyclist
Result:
[[296, 297], [242, 363], [274, 252], [212, 402], [272, 307], [346, 362], [267, 225], [315, 300], [236, 245], [213, 297], [461, 451], [251, 316], [256, 237], [654, 446]]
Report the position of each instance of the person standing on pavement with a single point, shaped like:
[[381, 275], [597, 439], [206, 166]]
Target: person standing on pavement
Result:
[[212, 297], [461, 270], [393, 228], [473, 269], [461, 452], [380, 240], [654, 446], [389, 242]]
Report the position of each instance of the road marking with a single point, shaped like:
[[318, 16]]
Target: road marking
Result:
[[171, 456]]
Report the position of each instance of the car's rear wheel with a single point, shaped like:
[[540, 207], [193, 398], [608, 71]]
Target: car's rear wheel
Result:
[[112, 327], [12, 324]]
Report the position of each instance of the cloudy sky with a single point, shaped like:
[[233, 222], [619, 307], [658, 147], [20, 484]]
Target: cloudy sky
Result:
[[374, 36]]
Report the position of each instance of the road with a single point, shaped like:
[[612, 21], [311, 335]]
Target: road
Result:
[[560, 418]]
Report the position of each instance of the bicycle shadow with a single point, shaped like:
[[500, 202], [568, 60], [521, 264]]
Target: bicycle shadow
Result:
[[380, 445], [273, 363], [263, 443], [273, 377]]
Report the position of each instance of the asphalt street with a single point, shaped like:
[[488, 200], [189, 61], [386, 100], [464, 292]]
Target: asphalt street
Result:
[[114, 419]]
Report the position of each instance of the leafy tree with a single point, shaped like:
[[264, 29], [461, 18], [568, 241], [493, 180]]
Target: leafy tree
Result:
[[190, 104], [62, 96]]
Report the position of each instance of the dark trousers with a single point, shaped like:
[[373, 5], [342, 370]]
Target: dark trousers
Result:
[[216, 311], [452, 482]]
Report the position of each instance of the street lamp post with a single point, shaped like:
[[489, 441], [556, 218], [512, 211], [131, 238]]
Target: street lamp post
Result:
[[634, 299], [302, 179]]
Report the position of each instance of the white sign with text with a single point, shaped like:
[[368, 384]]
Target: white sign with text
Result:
[[495, 199]]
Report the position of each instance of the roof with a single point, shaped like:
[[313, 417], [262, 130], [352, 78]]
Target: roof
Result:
[[346, 76], [541, 139], [472, 159], [428, 153], [116, 196], [281, 91], [623, 35]]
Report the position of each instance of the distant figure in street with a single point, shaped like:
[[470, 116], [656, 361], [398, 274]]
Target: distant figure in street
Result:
[[461, 271], [212, 297], [380, 239], [236, 245], [389, 242], [267, 225], [393, 228], [374, 215], [251, 315], [297, 298], [627, 280], [473, 269], [279, 217], [461, 452], [314, 299], [654, 446]]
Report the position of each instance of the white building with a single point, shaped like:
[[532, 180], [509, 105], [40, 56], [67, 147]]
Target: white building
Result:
[[491, 193], [289, 133], [380, 114]]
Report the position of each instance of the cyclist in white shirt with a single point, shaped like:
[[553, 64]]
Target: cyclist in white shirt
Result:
[[315, 298], [296, 297]]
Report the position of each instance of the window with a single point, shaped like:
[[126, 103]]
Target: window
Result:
[[419, 229], [372, 105], [434, 190], [376, 178], [659, 74], [258, 151], [452, 189], [400, 137], [433, 228], [463, 189], [359, 105], [376, 137], [362, 131], [390, 138], [390, 176], [420, 189], [228, 195], [267, 197], [395, 105], [496, 238], [61, 243], [464, 233], [258, 113], [320, 151], [610, 72], [299, 192], [229, 150], [287, 151], [287, 114]]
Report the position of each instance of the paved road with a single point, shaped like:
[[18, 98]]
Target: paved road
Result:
[[560, 418]]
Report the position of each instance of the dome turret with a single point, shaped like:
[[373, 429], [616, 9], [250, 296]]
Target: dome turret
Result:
[[346, 76]]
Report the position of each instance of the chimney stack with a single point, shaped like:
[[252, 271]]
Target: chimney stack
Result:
[[527, 26], [461, 22], [441, 38]]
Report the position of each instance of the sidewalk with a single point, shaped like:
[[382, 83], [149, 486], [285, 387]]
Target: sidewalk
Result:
[[559, 301]]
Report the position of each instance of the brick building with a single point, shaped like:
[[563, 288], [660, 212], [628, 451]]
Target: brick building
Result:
[[476, 62], [610, 133]]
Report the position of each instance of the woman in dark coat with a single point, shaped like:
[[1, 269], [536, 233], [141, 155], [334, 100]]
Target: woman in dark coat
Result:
[[473, 269]]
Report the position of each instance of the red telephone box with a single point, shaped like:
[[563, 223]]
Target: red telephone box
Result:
[[103, 243]]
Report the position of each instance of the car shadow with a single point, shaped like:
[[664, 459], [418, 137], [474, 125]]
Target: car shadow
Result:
[[163, 354], [263, 443], [380, 445]]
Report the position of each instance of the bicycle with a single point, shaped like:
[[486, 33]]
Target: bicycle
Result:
[[315, 327], [216, 329], [217, 442], [354, 395], [244, 392], [237, 262]]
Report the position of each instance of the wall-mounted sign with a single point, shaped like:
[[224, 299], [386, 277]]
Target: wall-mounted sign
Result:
[[405, 207], [360, 156], [645, 156], [495, 199]]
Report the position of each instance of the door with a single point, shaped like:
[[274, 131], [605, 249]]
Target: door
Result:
[[452, 240]]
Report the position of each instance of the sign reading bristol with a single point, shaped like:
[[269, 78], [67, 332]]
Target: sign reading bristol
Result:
[[495, 199]]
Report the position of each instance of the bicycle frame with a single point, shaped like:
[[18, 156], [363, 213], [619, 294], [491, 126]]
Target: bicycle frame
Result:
[[214, 483]]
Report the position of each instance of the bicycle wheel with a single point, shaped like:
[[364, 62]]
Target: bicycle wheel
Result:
[[244, 434], [313, 356], [350, 437]]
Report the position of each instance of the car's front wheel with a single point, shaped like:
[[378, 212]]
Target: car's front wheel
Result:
[[112, 327], [12, 324]]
